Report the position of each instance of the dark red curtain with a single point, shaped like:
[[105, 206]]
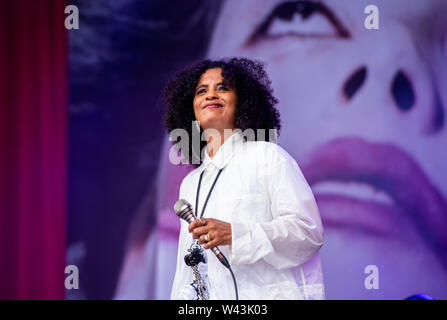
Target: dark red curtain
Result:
[[33, 148]]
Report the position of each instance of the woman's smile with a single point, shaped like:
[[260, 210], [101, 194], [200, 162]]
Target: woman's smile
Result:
[[212, 105]]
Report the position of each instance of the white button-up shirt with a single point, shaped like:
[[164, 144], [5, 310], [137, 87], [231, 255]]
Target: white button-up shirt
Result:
[[275, 225]]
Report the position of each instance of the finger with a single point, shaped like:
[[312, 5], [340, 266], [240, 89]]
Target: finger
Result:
[[202, 239], [197, 232], [213, 243], [194, 225], [211, 220]]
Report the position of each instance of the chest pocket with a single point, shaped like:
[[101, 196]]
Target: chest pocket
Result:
[[251, 207]]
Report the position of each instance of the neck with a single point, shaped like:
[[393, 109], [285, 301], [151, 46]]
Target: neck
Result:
[[215, 139]]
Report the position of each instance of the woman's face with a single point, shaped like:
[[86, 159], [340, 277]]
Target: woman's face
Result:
[[214, 101], [363, 114]]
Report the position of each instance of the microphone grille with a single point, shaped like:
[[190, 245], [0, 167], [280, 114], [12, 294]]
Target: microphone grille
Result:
[[179, 204], [183, 209]]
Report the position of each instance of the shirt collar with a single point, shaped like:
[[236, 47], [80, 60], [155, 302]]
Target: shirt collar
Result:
[[224, 154]]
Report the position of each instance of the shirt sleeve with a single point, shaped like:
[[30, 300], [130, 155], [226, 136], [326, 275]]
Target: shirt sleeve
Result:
[[295, 232]]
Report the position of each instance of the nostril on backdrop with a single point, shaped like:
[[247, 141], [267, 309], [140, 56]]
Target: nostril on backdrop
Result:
[[402, 92], [354, 83]]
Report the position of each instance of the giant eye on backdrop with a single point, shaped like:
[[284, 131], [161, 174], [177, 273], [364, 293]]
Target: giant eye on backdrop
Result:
[[302, 19]]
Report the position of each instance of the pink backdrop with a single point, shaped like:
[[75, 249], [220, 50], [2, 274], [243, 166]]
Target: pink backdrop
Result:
[[33, 115]]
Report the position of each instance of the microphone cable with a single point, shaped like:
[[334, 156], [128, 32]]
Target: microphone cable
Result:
[[234, 282], [224, 261]]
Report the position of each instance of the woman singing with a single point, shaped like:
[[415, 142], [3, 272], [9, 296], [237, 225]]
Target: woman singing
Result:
[[248, 194]]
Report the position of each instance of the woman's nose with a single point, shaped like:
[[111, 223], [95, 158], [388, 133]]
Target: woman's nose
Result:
[[399, 82], [406, 96], [211, 95], [401, 88], [402, 91]]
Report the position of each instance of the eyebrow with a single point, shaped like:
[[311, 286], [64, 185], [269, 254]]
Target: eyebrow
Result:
[[205, 85]]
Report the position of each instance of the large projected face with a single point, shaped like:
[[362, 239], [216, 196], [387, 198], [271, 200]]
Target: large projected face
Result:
[[363, 113]]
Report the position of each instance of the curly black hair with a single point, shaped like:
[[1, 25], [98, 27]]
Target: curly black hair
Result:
[[256, 108]]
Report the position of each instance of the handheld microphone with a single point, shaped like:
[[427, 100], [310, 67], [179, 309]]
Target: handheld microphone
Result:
[[184, 211]]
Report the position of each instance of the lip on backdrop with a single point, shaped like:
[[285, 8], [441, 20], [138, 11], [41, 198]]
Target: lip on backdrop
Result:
[[388, 169]]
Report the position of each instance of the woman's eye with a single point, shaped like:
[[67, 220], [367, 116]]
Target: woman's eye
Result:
[[223, 88], [304, 19], [200, 91]]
